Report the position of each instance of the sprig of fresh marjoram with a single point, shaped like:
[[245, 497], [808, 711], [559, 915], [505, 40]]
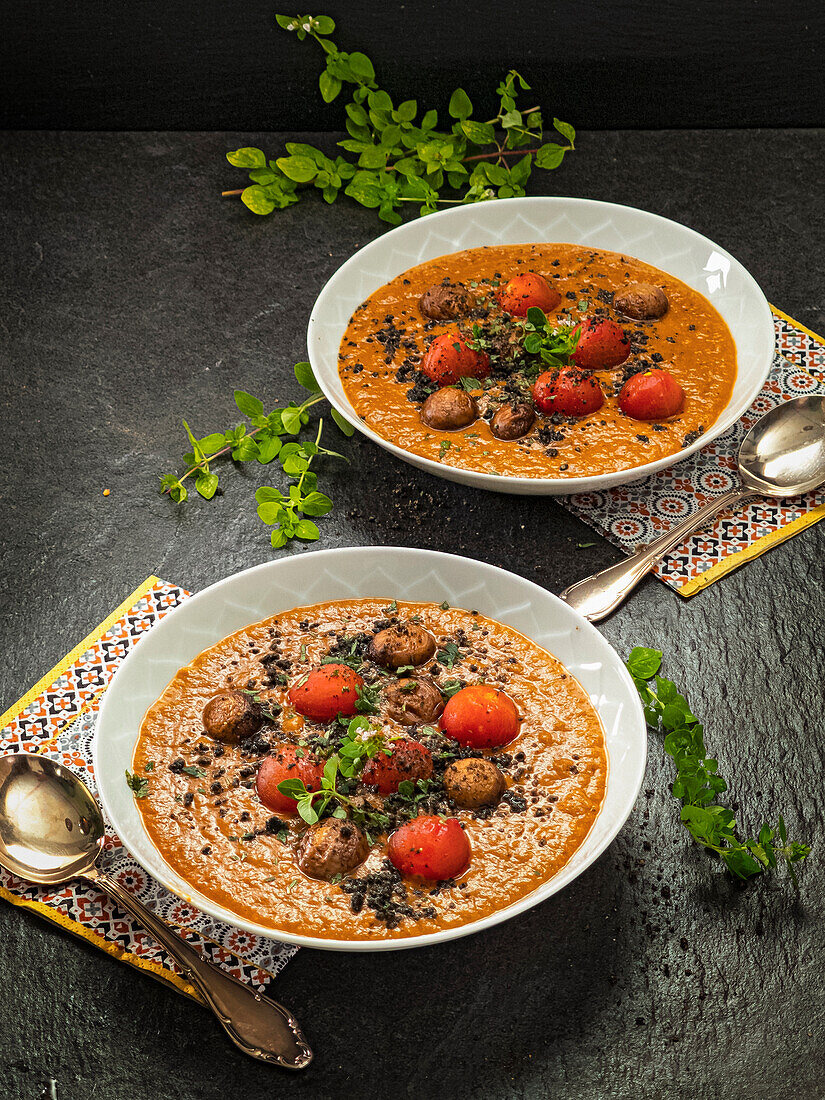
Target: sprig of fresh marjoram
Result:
[[397, 157], [285, 512], [698, 783], [553, 344]]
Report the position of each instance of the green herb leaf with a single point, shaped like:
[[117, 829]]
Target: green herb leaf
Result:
[[305, 377], [206, 484], [460, 106], [258, 201], [138, 784], [448, 655], [247, 157], [307, 530], [250, 406], [342, 424]]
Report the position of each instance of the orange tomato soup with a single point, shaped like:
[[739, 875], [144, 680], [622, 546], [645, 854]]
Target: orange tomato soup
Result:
[[202, 810], [387, 337]]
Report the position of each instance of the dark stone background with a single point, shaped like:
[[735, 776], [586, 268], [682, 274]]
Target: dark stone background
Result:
[[217, 65], [132, 296]]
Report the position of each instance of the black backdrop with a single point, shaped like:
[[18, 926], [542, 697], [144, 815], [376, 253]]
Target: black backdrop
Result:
[[219, 64]]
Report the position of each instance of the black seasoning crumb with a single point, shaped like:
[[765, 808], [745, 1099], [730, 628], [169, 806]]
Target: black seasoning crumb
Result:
[[188, 798], [256, 745], [177, 766], [207, 851], [216, 787], [515, 801]]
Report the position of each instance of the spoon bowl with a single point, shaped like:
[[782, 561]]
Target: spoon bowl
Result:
[[783, 455], [51, 830]]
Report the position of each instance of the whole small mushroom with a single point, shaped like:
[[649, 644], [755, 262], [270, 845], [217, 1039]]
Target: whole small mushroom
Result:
[[413, 700], [231, 715], [513, 421], [331, 847], [449, 409], [474, 783], [404, 643], [445, 301], [641, 301]]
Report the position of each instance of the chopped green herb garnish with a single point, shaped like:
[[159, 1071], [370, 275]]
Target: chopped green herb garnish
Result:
[[368, 698], [138, 785], [448, 655]]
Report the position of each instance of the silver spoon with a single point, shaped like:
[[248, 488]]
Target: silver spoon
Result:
[[51, 830], [783, 455]]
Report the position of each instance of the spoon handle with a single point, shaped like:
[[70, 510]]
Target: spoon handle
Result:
[[256, 1024], [595, 597]]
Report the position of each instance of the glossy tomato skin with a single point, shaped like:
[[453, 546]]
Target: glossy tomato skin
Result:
[[570, 392], [525, 291], [449, 358], [602, 344], [651, 395], [286, 764], [434, 848], [409, 760], [326, 692], [480, 717]]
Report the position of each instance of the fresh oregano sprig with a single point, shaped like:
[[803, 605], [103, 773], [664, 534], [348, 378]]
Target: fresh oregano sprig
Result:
[[698, 783], [397, 157], [263, 442], [553, 344]]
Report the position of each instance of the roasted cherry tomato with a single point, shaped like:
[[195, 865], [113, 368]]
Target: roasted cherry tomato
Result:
[[525, 291], [602, 344], [432, 847], [326, 692], [651, 395], [480, 717], [408, 760], [449, 358], [286, 764], [570, 392]]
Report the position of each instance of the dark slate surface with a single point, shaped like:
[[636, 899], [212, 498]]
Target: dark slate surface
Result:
[[134, 296], [638, 63]]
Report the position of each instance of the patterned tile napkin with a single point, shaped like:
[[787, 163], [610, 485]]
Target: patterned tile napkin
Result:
[[634, 514], [57, 718]]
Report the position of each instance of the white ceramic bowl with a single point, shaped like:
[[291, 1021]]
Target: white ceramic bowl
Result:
[[668, 245], [423, 575]]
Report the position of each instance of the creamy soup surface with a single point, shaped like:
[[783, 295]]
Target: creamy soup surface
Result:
[[202, 810]]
